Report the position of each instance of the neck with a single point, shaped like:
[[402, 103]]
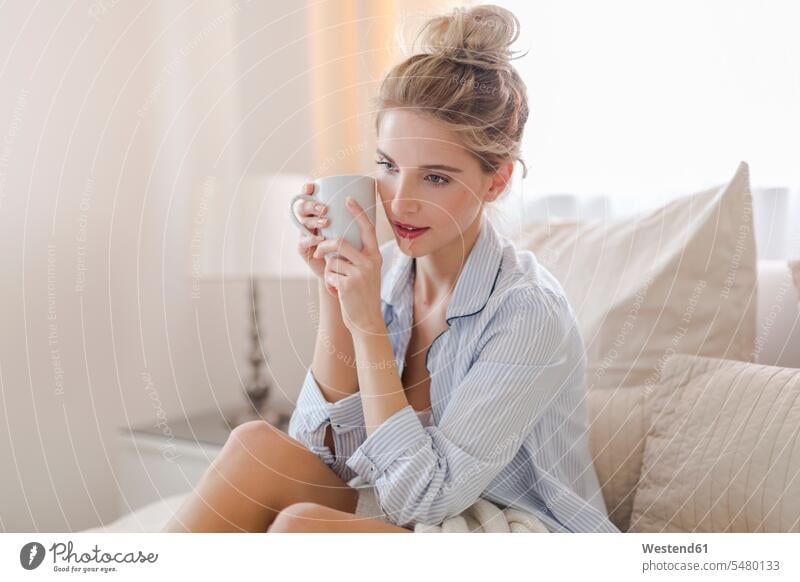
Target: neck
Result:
[[436, 274]]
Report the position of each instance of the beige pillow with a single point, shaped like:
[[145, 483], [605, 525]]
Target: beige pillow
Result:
[[794, 267], [722, 454], [681, 278], [616, 441]]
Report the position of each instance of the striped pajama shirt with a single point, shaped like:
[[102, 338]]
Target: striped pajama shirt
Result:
[[507, 397]]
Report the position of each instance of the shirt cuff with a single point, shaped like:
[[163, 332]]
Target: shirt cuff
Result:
[[311, 405], [344, 415], [394, 437]]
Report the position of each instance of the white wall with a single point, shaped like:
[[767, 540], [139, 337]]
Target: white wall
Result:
[[109, 111]]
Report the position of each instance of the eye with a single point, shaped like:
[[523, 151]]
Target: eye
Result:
[[437, 180], [386, 164]]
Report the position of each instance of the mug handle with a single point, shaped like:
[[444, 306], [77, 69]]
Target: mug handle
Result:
[[292, 212]]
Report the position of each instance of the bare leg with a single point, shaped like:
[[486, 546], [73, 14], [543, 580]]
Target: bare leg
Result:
[[312, 517], [260, 471]]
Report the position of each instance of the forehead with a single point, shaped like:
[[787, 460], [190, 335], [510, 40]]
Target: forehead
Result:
[[415, 137]]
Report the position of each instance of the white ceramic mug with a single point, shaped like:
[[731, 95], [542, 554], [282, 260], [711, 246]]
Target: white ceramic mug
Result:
[[332, 191]]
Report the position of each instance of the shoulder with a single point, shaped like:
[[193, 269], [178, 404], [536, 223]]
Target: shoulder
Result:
[[531, 318], [525, 284]]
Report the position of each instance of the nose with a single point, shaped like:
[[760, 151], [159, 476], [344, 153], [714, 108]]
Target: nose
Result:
[[405, 202]]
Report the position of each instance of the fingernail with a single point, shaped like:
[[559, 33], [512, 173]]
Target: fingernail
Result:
[[321, 221], [319, 207], [349, 201]]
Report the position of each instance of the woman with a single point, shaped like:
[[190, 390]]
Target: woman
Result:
[[448, 364]]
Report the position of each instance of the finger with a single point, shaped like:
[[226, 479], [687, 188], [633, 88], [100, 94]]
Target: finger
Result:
[[313, 208], [306, 252], [315, 222], [308, 243], [308, 188], [368, 236], [340, 266], [333, 279], [344, 248]]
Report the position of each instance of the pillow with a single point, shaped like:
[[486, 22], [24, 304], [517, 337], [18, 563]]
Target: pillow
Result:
[[778, 339], [681, 278], [616, 441], [794, 267], [722, 453]]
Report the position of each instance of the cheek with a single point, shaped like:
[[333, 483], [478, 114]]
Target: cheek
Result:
[[386, 191], [458, 207]]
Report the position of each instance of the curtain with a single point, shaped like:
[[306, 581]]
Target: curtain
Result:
[[634, 103], [776, 214], [351, 46]]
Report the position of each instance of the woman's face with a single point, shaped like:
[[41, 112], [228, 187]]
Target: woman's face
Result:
[[427, 179]]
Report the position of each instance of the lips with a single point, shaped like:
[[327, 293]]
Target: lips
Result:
[[408, 226], [407, 233]]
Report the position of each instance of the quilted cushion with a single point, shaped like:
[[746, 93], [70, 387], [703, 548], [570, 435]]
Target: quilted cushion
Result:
[[722, 453]]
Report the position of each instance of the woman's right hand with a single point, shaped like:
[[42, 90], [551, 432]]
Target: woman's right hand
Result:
[[310, 214]]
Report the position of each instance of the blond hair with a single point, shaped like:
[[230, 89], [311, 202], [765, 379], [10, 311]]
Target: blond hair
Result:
[[461, 74]]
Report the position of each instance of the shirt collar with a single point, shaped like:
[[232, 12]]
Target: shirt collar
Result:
[[474, 285]]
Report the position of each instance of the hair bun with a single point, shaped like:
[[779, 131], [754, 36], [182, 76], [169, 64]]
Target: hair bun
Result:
[[480, 36]]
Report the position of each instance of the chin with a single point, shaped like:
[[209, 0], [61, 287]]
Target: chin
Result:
[[410, 250]]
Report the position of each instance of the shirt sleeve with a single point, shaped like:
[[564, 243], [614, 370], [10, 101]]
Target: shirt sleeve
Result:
[[313, 414], [426, 474]]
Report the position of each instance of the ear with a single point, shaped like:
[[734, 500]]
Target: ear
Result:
[[500, 180]]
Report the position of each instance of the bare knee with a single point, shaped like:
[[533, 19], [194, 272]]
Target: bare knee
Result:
[[253, 431], [303, 517], [280, 468], [257, 438]]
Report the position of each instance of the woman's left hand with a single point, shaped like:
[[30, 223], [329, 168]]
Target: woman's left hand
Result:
[[356, 275]]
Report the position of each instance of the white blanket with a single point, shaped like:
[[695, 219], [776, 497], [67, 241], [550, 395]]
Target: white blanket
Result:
[[483, 516]]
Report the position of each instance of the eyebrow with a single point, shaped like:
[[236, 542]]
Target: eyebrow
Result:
[[426, 167]]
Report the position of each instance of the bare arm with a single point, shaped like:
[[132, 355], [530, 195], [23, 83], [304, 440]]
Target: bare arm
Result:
[[382, 384], [334, 363], [333, 366]]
